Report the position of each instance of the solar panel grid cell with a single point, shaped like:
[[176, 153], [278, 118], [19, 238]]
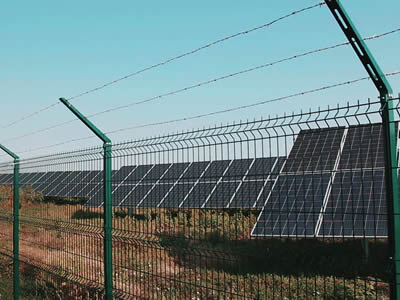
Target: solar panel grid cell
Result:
[[198, 195], [314, 150], [156, 195], [222, 194], [247, 194], [176, 195], [357, 205], [294, 206]]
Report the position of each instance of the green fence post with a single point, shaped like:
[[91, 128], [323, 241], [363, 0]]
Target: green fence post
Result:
[[390, 135], [16, 288], [108, 275]]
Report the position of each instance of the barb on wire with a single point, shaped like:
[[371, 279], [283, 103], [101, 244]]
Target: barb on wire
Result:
[[302, 93], [229, 37], [29, 116], [158, 97]]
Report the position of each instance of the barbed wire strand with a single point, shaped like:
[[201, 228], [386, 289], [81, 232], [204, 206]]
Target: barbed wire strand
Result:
[[158, 97], [198, 49], [349, 82], [191, 52]]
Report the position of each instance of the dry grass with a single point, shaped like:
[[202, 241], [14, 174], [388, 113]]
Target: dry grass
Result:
[[182, 254]]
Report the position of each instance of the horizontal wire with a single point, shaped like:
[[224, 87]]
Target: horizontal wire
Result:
[[30, 115], [349, 82], [211, 44], [197, 50], [154, 98], [202, 84]]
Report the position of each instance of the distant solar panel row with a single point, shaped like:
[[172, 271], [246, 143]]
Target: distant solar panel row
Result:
[[331, 184], [206, 184]]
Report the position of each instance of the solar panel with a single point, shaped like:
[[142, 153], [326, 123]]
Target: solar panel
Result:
[[156, 172], [3, 178], [237, 169], [120, 175], [294, 206], [51, 182], [138, 173], [222, 195], [314, 150], [363, 148], [261, 168], [8, 179], [59, 184], [156, 195], [247, 194], [198, 195], [134, 196], [265, 194], [125, 190], [215, 170], [357, 205], [174, 172], [194, 171], [86, 186], [79, 182], [43, 181], [176, 196]]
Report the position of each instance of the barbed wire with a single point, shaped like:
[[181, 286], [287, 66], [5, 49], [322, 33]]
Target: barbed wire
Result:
[[197, 85], [263, 102], [167, 61], [30, 115], [229, 37]]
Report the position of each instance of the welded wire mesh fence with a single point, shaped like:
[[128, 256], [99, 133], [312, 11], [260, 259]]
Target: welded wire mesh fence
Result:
[[287, 207]]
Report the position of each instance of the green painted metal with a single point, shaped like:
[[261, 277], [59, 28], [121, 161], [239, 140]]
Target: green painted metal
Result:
[[108, 276], [390, 135], [108, 221], [359, 46], [16, 287], [86, 121]]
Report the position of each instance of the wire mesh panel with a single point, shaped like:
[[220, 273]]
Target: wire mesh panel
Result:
[[292, 207]]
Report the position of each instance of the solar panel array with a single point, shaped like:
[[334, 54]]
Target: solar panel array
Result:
[[243, 183], [297, 198], [331, 184], [341, 191]]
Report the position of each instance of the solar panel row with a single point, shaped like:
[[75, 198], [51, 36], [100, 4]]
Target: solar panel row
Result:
[[207, 184], [341, 191], [331, 184]]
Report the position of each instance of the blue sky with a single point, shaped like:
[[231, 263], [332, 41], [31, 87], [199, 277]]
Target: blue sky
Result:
[[53, 49]]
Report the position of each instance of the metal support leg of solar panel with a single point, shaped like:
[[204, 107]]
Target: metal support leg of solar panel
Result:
[[390, 135], [15, 222], [108, 277]]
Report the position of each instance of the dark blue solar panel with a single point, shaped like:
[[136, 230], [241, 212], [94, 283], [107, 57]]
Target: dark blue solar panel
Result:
[[314, 150], [215, 170], [174, 172], [237, 169], [247, 194], [363, 148], [156, 172], [294, 206], [198, 195], [156, 195], [138, 174], [135, 196], [265, 194], [222, 195], [357, 205], [261, 168], [176, 196], [194, 171]]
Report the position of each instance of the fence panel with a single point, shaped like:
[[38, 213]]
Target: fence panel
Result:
[[290, 207]]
